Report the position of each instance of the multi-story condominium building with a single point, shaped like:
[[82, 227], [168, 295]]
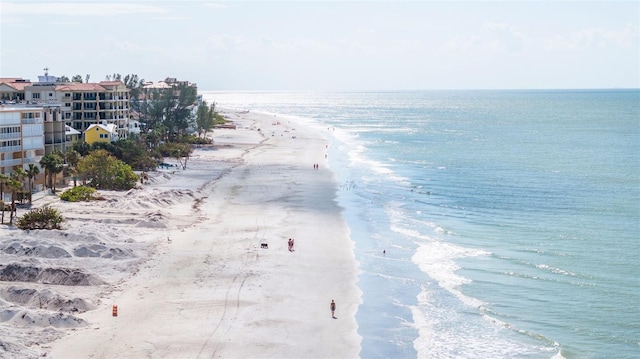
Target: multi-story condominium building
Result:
[[151, 91], [21, 137], [84, 104], [12, 89], [55, 130], [43, 94]]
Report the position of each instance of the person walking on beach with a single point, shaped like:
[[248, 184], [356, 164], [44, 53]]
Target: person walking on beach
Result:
[[333, 309]]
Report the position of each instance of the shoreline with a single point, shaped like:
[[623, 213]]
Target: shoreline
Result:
[[206, 288]]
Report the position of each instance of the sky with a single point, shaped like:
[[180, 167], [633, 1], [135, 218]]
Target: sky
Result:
[[328, 45]]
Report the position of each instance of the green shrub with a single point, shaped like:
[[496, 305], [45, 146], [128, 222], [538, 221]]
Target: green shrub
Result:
[[41, 218], [193, 140], [79, 193], [107, 172]]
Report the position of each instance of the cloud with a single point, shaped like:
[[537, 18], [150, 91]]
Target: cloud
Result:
[[124, 46], [459, 43], [172, 18], [493, 38], [496, 26], [506, 37], [263, 45], [596, 38], [214, 5], [69, 8], [228, 43]]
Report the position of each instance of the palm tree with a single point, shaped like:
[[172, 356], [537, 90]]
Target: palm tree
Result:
[[15, 186], [19, 174], [73, 157], [53, 163], [4, 179], [32, 173]]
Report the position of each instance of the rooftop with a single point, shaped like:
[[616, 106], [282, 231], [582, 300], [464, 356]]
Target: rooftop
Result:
[[76, 86]]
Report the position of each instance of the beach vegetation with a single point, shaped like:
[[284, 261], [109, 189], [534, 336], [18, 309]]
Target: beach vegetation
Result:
[[101, 170], [110, 147], [72, 157], [79, 194], [19, 192], [41, 218], [32, 172], [153, 137], [133, 151], [6, 185], [53, 163], [12, 185], [134, 83], [195, 140], [170, 112], [181, 115], [154, 112], [4, 179], [82, 148], [179, 151], [205, 118], [218, 119]]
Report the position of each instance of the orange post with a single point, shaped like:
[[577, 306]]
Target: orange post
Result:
[[115, 310]]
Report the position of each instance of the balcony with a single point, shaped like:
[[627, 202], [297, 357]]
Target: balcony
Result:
[[10, 135], [8, 163], [31, 120], [11, 149], [30, 160]]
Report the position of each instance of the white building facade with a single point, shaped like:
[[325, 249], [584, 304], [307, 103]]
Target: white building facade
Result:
[[21, 137]]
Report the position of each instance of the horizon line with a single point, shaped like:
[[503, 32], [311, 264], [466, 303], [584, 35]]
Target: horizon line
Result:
[[443, 89]]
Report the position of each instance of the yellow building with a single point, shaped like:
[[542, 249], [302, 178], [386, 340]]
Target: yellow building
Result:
[[101, 133]]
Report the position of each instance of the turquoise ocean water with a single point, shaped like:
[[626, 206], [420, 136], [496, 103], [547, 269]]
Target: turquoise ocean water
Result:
[[510, 219]]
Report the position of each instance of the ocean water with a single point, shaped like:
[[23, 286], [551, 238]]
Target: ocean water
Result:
[[509, 220]]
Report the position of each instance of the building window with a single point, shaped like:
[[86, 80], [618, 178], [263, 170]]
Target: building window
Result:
[[30, 114], [35, 95], [9, 130]]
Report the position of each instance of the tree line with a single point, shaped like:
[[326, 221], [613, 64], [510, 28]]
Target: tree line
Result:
[[166, 115]]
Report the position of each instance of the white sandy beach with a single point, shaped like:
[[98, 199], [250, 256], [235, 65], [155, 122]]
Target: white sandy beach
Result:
[[181, 258]]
